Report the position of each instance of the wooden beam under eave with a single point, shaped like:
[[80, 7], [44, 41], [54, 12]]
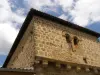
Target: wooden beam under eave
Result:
[[45, 63], [37, 62], [95, 70], [87, 69], [78, 68], [58, 65], [68, 67]]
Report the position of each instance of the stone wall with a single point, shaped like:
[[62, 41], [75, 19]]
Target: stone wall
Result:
[[50, 42], [47, 39], [23, 56]]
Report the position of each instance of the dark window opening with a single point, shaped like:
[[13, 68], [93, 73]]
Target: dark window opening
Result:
[[76, 41], [22, 47], [51, 63], [68, 38], [85, 59], [31, 32], [63, 66], [40, 62]]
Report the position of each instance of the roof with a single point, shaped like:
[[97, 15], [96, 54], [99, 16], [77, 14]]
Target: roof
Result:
[[16, 70], [28, 19]]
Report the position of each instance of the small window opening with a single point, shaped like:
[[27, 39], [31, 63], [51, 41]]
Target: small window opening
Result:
[[85, 59], [63, 66], [76, 41], [51, 63], [31, 32], [68, 38], [22, 47]]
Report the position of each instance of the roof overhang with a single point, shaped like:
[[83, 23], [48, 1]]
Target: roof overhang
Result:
[[7, 71]]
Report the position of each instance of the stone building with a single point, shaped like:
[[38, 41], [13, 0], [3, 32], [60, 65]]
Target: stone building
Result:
[[48, 45]]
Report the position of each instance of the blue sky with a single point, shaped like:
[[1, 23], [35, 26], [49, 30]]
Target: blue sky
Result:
[[85, 13]]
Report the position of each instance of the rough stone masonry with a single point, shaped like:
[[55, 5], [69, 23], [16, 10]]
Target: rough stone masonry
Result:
[[44, 38]]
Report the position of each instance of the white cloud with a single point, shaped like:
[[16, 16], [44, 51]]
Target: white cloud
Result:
[[86, 10], [63, 16], [7, 37], [6, 14], [8, 32], [4, 10], [82, 11], [17, 18], [81, 21], [20, 11], [37, 4], [66, 4]]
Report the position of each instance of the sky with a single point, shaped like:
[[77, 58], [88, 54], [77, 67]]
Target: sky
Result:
[[85, 13]]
